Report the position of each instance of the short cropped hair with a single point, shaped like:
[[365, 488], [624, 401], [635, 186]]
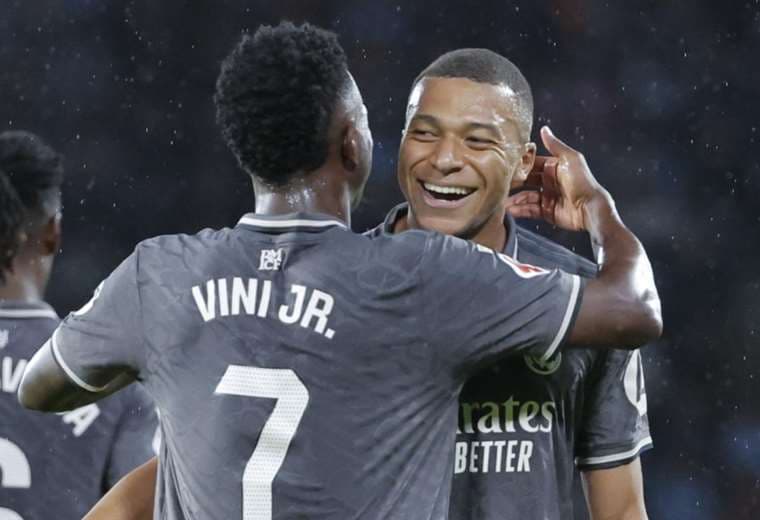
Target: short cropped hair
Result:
[[31, 175], [482, 66], [275, 98]]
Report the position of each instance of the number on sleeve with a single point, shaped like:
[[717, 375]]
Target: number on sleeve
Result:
[[277, 433], [633, 382], [15, 473]]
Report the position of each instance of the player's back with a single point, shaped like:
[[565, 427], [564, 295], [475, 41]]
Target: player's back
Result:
[[58, 466], [298, 356], [299, 369]]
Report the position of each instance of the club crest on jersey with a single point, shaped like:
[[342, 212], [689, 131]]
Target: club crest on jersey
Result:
[[4, 334], [270, 260], [544, 367], [520, 269]]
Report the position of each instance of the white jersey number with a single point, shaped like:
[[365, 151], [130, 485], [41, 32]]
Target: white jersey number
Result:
[[15, 473], [274, 441]]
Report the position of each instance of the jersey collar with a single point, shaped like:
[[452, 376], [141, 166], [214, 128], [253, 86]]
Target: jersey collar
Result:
[[400, 211], [13, 309], [309, 222]]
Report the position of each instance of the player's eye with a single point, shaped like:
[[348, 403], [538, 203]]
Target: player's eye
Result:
[[479, 142], [422, 134]]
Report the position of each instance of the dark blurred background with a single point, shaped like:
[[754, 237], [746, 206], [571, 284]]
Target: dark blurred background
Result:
[[663, 98]]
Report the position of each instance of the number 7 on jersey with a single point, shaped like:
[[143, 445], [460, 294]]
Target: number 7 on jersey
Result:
[[277, 433]]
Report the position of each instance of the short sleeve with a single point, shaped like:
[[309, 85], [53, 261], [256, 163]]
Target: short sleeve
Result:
[[104, 338], [135, 436], [615, 428], [481, 304]]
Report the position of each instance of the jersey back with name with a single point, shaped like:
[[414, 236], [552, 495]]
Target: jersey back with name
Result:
[[59, 465], [305, 372]]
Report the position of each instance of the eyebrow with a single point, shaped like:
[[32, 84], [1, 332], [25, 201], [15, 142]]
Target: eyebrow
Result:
[[470, 125]]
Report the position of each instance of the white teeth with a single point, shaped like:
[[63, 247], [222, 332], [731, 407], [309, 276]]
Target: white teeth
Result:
[[457, 190]]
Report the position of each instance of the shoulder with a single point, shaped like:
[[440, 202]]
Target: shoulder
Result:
[[375, 232], [181, 241], [542, 252], [159, 248]]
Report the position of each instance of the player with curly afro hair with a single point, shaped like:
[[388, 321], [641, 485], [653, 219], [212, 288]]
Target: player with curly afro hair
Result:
[[31, 174], [276, 98]]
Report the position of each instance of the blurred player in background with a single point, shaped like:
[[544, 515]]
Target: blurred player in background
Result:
[[51, 466], [303, 371], [526, 423]]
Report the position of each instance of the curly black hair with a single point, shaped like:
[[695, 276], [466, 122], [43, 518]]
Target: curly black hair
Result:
[[275, 96], [30, 187], [482, 66], [11, 222]]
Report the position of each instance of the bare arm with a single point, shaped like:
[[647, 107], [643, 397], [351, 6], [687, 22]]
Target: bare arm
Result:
[[131, 499], [621, 306], [615, 494]]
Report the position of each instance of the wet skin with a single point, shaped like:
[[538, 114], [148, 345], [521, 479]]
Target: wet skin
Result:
[[464, 144]]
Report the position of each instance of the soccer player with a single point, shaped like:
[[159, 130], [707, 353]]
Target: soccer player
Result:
[[525, 423], [51, 466], [301, 370]]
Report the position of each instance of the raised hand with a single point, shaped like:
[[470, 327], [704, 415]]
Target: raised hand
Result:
[[561, 188]]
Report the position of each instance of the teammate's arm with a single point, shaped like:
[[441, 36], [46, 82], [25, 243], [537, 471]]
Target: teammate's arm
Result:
[[96, 350], [45, 385], [131, 499], [615, 494], [621, 306]]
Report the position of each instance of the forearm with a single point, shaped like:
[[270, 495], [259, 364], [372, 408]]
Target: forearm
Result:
[[616, 493], [624, 292], [131, 499]]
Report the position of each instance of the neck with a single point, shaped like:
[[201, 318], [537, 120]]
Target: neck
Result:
[[23, 284], [315, 192], [492, 234]]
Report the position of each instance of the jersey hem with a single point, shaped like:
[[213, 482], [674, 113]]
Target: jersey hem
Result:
[[567, 319], [67, 369], [614, 459]]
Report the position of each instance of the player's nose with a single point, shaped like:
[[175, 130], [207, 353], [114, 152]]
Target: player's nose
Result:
[[446, 157]]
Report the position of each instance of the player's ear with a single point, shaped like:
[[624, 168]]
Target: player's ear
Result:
[[350, 147], [527, 159], [50, 235]]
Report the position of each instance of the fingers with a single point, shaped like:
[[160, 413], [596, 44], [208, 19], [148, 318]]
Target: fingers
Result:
[[538, 164], [531, 204], [524, 197], [525, 211], [555, 145]]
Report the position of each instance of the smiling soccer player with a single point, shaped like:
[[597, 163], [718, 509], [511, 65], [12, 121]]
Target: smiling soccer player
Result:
[[525, 424]]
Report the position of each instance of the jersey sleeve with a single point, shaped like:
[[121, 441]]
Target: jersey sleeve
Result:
[[615, 428], [104, 338], [135, 436], [481, 304]]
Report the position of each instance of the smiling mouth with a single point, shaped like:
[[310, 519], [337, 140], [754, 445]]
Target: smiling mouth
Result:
[[445, 194]]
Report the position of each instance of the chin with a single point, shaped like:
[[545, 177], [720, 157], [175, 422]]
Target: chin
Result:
[[445, 225]]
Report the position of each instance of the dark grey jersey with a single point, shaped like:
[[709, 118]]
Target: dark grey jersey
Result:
[[58, 466], [526, 424], [306, 372]]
